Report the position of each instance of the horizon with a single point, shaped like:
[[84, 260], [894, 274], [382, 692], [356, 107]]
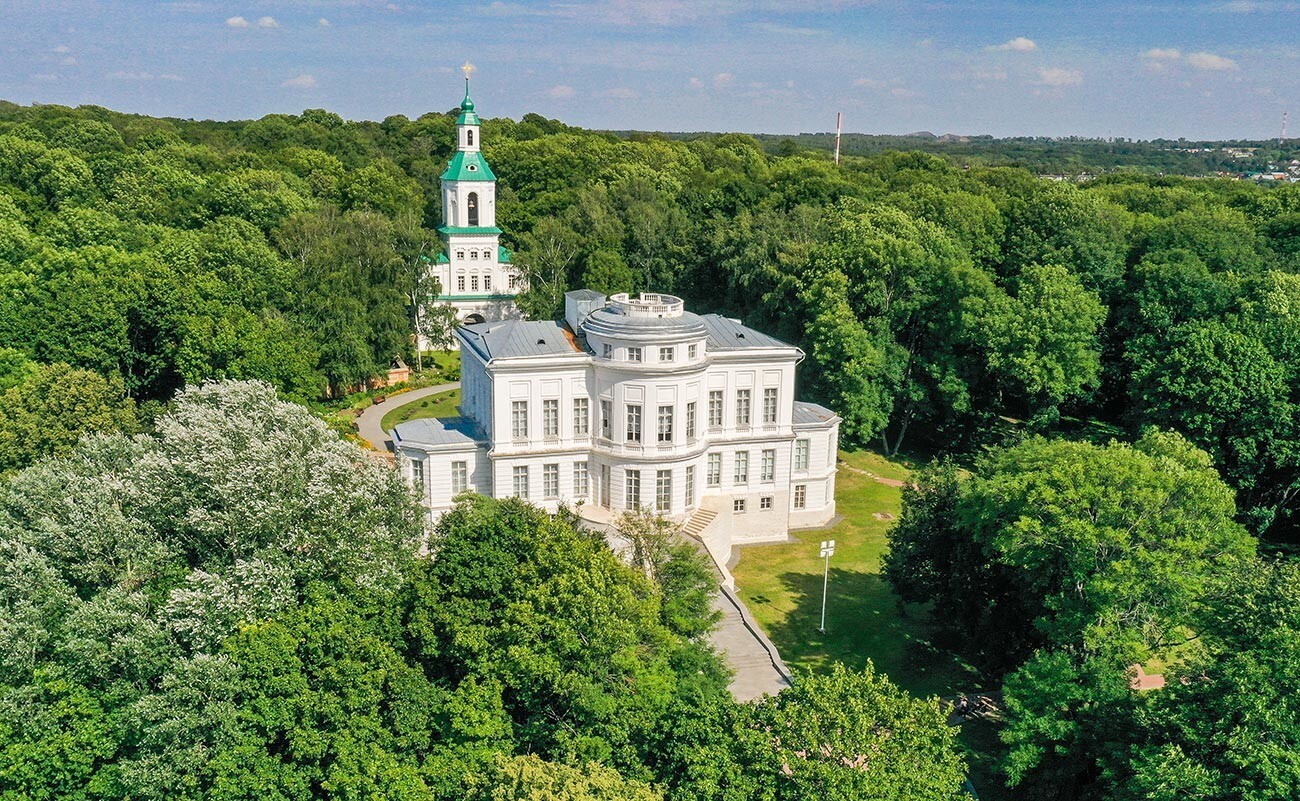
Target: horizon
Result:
[[1203, 71]]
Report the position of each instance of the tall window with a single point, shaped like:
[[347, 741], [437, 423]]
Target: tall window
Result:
[[633, 422], [742, 407], [519, 419], [550, 481], [690, 485], [417, 474], [665, 354], [459, 478], [714, 475], [581, 417], [665, 424], [769, 405], [691, 350], [469, 137], [663, 490], [607, 351], [715, 408], [550, 418], [581, 480], [800, 496], [632, 499], [769, 465], [741, 475], [690, 420], [634, 354], [801, 454], [487, 283], [460, 283], [473, 283], [473, 210], [604, 485], [521, 482], [605, 414]]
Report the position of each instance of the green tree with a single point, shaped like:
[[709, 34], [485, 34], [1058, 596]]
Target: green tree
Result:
[[53, 407]]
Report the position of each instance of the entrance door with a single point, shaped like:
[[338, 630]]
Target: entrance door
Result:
[[604, 485]]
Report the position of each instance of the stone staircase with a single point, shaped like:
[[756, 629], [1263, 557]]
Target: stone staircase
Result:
[[698, 522]]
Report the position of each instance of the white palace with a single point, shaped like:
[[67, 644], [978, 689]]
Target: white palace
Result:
[[633, 402]]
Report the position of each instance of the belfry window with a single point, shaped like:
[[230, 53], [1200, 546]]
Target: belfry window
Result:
[[472, 205], [469, 137]]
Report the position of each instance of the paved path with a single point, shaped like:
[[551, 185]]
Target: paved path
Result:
[[747, 650], [368, 421]]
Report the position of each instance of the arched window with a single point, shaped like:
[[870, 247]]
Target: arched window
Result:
[[469, 137], [473, 208]]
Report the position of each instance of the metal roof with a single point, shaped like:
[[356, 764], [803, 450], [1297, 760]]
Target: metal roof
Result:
[[438, 432], [810, 414], [727, 334], [513, 339]]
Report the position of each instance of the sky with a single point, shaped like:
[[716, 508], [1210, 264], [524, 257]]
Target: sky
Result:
[[1203, 70]]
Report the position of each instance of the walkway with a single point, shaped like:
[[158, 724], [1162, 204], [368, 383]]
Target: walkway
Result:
[[368, 421]]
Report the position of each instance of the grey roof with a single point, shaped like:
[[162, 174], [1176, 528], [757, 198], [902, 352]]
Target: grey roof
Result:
[[510, 339], [434, 431], [608, 321], [584, 294], [810, 414], [727, 334]]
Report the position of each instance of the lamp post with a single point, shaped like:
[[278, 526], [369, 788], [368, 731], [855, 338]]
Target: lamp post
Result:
[[827, 551]]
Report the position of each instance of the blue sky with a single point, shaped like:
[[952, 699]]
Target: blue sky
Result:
[[1214, 69]]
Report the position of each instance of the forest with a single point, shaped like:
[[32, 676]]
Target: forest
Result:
[[210, 596]]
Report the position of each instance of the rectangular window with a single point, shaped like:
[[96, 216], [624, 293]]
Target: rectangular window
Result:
[[608, 351], [632, 499], [801, 454], [800, 496], [691, 350], [633, 422], [605, 414], [769, 465], [550, 481], [738, 506], [604, 485], [769, 405], [512, 281], [663, 490], [487, 283], [741, 474], [690, 420], [519, 419], [459, 478], [666, 424], [765, 502], [581, 417], [742, 407], [551, 418], [690, 485], [665, 354], [521, 482], [417, 474], [473, 283], [581, 480], [714, 476], [460, 283], [634, 354], [715, 408]]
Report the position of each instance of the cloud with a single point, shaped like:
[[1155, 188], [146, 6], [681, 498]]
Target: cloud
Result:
[[1019, 45], [1162, 53], [723, 80], [237, 22], [987, 75], [1058, 76], [63, 49], [45, 76], [1209, 61], [170, 76], [267, 22], [303, 81], [787, 30], [619, 93], [125, 75], [324, 23], [695, 83], [561, 92], [899, 91], [68, 61], [870, 83]]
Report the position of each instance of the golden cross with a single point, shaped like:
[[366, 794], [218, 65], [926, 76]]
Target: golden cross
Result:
[[467, 69]]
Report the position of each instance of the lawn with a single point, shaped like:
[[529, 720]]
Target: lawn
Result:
[[441, 405], [782, 585]]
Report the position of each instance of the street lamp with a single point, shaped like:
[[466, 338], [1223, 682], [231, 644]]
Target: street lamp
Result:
[[828, 550]]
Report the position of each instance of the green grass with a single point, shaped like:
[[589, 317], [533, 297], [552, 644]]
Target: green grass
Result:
[[782, 585], [441, 405]]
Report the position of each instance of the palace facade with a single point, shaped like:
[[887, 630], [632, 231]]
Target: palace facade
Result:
[[633, 402]]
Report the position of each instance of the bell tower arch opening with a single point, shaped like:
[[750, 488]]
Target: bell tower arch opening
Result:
[[471, 205]]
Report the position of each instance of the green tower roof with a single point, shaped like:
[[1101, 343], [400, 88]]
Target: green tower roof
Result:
[[467, 115], [468, 166]]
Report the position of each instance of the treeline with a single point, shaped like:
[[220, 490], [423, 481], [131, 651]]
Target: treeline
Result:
[[935, 302], [240, 605]]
